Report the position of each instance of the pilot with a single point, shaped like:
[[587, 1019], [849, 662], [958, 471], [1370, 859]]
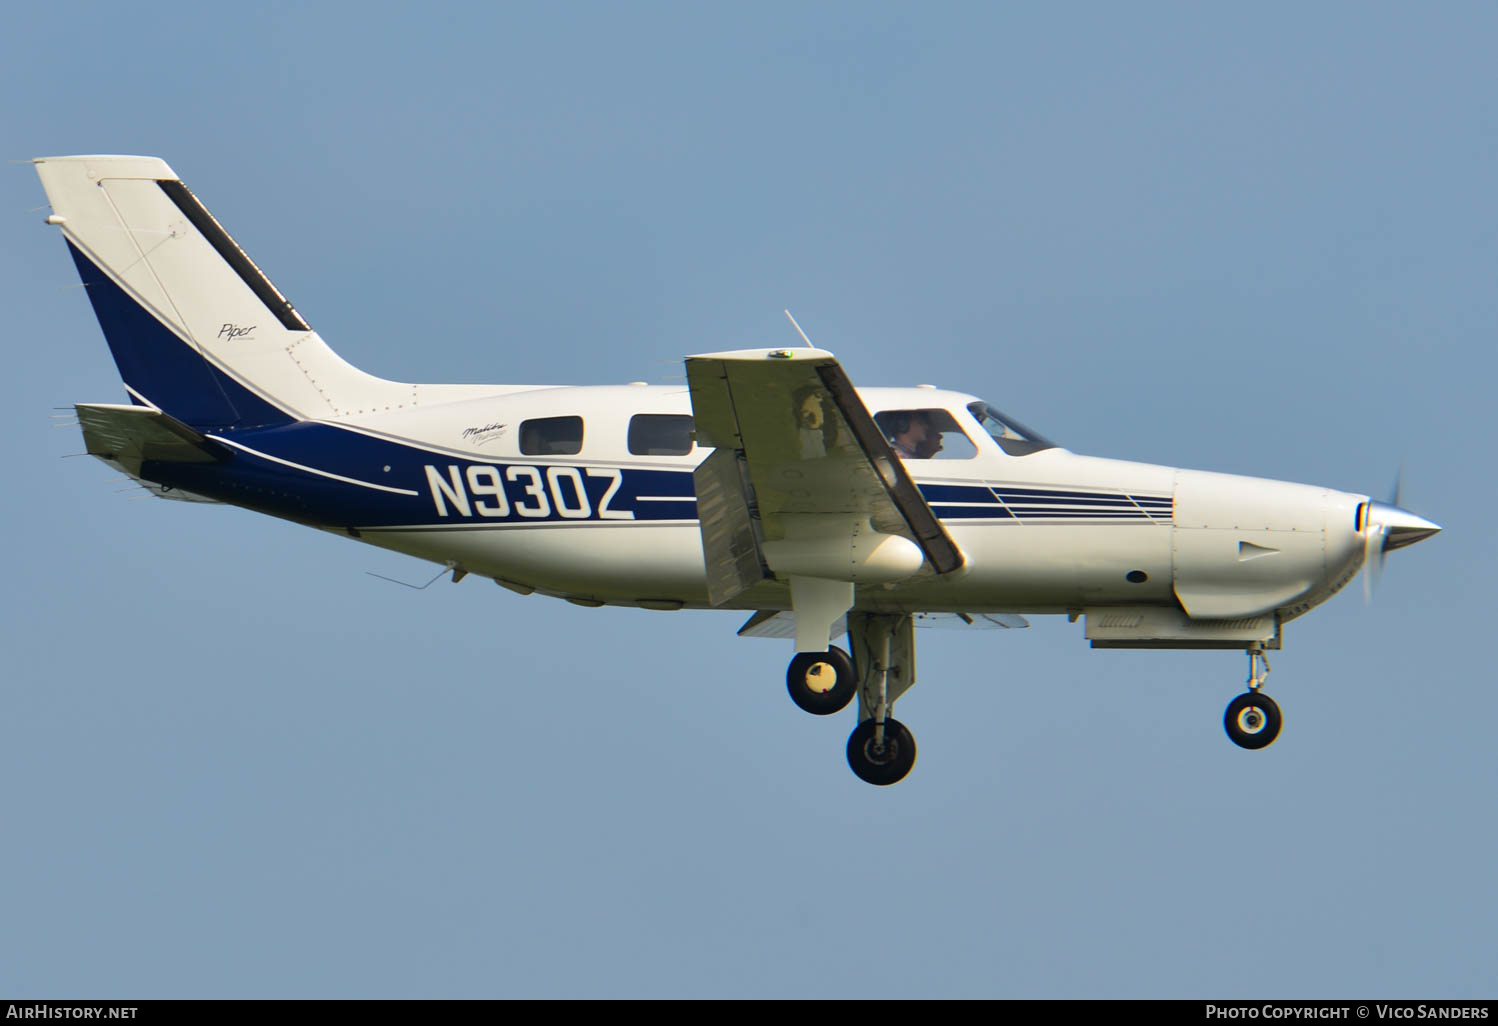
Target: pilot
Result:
[[914, 436]]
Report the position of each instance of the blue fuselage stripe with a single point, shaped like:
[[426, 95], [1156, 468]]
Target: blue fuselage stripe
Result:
[[378, 482]]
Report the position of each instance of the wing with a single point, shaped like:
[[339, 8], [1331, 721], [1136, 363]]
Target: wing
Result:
[[799, 461]]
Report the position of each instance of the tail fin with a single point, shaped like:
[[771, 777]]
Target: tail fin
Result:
[[196, 329]]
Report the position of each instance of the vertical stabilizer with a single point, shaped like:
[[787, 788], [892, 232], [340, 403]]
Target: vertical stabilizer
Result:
[[195, 327]]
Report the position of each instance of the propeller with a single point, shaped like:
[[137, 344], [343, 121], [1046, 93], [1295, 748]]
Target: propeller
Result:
[[1387, 526]]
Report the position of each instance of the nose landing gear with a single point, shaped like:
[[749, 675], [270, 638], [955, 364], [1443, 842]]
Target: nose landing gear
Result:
[[1253, 719]]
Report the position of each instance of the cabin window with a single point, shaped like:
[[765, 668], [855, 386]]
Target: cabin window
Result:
[[930, 434], [660, 434], [551, 436]]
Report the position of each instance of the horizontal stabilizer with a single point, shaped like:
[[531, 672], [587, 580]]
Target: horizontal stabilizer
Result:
[[125, 437], [133, 434]]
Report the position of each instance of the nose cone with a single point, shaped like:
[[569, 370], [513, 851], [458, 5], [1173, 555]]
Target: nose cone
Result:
[[1401, 527]]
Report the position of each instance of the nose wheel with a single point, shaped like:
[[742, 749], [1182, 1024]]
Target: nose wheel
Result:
[[1253, 719], [822, 683]]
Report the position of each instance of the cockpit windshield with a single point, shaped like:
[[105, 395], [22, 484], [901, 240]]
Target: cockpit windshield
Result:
[[1012, 436]]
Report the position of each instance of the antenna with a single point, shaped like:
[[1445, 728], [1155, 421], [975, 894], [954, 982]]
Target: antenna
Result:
[[798, 329], [458, 575]]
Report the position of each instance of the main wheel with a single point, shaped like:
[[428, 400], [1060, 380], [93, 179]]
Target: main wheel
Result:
[[821, 682], [1252, 720], [881, 764]]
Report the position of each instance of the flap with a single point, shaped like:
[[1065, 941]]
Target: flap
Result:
[[769, 623]]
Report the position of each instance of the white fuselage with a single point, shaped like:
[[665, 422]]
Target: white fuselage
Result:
[[1081, 534]]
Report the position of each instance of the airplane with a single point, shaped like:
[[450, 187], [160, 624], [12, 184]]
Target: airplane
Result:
[[769, 485]]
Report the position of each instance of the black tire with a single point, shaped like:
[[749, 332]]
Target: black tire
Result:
[[806, 680], [1252, 720], [886, 766]]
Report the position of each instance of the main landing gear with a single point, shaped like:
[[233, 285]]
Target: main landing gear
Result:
[[881, 749], [822, 683], [881, 753], [1253, 719]]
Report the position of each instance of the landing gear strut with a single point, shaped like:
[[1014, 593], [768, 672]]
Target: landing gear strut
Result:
[[881, 749], [1253, 719]]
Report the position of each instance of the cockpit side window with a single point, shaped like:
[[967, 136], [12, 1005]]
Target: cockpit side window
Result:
[[551, 436], [660, 434], [930, 434]]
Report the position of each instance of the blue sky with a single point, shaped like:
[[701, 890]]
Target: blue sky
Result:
[[1259, 240]]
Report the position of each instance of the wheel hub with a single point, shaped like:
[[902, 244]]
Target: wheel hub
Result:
[[1251, 720], [821, 678], [881, 762]]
